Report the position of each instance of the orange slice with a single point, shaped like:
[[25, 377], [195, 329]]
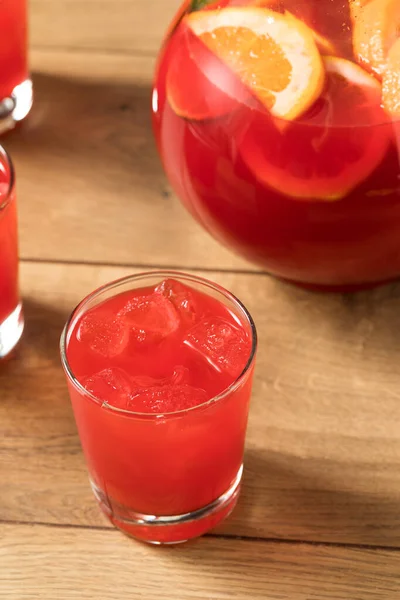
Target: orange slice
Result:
[[325, 46], [376, 28], [332, 149], [274, 55], [356, 7], [391, 82], [199, 86]]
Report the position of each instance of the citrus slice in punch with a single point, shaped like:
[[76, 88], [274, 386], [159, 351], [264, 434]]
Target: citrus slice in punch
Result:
[[391, 82], [331, 149], [355, 8], [273, 55], [325, 46], [376, 28], [199, 86]]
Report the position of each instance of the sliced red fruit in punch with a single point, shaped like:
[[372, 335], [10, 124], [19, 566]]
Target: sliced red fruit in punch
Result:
[[333, 148], [199, 85]]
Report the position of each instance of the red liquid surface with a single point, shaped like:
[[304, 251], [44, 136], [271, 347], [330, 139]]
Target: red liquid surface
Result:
[[157, 351], [8, 251], [13, 45], [249, 179]]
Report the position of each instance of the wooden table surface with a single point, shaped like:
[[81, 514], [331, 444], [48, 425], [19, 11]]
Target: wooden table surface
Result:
[[319, 515]]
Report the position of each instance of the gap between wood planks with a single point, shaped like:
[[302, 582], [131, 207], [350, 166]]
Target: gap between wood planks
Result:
[[219, 536], [89, 50], [143, 266]]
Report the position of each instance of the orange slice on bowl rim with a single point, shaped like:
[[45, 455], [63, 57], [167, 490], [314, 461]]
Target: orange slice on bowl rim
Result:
[[391, 82], [325, 46], [274, 55], [329, 151], [376, 28]]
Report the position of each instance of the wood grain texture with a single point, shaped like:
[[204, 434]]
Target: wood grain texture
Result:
[[46, 563], [122, 25], [86, 159], [323, 447]]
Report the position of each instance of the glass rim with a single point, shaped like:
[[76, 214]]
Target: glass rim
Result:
[[4, 155], [164, 274]]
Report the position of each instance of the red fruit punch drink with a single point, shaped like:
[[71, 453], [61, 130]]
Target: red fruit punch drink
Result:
[[11, 319], [278, 125], [15, 85], [159, 368]]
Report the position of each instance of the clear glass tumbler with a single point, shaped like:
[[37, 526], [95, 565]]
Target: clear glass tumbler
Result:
[[15, 84], [163, 478], [11, 317]]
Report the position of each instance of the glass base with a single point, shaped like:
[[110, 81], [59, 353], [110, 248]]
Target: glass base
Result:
[[16, 107], [174, 529], [11, 330]]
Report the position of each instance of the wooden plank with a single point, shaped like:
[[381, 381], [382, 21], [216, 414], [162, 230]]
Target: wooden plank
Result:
[[323, 447], [124, 25], [86, 162], [44, 563]]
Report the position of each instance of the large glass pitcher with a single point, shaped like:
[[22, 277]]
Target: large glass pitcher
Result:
[[276, 123]]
